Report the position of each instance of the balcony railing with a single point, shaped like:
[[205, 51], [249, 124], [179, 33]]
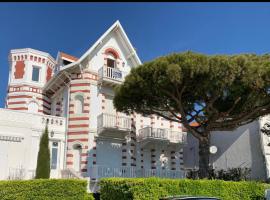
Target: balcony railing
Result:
[[162, 134], [113, 125], [97, 172], [110, 75]]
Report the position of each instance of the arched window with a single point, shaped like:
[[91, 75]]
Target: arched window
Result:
[[33, 107], [78, 104]]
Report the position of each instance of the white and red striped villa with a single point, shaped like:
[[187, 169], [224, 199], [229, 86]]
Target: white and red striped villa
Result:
[[88, 138]]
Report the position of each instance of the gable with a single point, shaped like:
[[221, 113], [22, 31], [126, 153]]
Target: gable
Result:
[[111, 44]]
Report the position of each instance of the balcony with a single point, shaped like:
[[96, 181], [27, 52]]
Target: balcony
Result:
[[97, 172], [110, 76], [149, 135], [113, 126]]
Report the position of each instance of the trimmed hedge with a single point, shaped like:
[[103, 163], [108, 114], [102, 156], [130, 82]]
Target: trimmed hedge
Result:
[[155, 188], [43, 189]]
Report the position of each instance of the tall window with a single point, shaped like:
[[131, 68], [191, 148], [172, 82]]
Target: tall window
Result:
[[54, 155], [78, 104], [111, 60], [35, 74]]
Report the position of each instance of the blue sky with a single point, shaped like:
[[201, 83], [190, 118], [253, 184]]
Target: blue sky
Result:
[[154, 29]]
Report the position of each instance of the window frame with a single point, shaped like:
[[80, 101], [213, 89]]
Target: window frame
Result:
[[111, 60], [54, 163], [80, 98], [39, 70]]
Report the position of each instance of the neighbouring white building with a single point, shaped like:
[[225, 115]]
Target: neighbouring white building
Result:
[[88, 138]]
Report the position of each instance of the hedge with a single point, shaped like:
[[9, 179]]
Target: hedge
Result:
[[155, 188], [43, 189]]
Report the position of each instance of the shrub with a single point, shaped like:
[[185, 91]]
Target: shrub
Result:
[[43, 161], [231, 174], [89, 196], [44, 189], [155, 188]]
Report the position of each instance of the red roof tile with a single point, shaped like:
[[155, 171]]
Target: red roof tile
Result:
[[70, 57]]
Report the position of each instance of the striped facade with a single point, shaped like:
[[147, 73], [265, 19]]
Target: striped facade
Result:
[[78, 123], [97, 137]]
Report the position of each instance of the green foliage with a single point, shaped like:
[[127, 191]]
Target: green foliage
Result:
[[89, 196], [43, 162], [218, 92], [155, 188], [45, 189], [231, 174]]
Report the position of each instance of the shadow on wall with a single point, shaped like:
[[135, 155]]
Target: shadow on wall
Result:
[[191, 152], [239, 148]]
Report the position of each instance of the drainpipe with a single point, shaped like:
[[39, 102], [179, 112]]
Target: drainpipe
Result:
[[67, 121]]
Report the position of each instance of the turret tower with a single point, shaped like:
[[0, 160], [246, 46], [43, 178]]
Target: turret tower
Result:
[[29, 71]]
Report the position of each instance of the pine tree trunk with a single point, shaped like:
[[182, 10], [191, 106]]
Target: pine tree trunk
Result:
[[204, 153]]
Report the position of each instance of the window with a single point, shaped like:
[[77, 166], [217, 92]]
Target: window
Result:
[[110, 63], [54, 155], [35, 73], [78, 104], [111, 60], [33, 107], [65, 62]]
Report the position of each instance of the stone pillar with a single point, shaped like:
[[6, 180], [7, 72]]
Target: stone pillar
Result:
[[181, 159], [173, 163], [124, 154], [153, 158], [133, 142]]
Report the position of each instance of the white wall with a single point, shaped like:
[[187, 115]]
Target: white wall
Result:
[[22, 154]]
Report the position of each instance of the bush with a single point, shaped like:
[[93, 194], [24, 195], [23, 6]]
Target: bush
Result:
[[43, 162], [231, 174], [155, 188], [89, 196], [44, 189]]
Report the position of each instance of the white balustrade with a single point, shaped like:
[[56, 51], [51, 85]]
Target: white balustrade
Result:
[[97, 172], [110, 74], [160, 133], [106, 120]]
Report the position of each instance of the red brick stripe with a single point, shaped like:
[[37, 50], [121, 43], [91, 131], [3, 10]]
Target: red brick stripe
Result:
[[19, 96], [78, 126], [78, 133], [74, 91], [78, 118], [17, 102], [79, 84], [82, 140], [19, 108]]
